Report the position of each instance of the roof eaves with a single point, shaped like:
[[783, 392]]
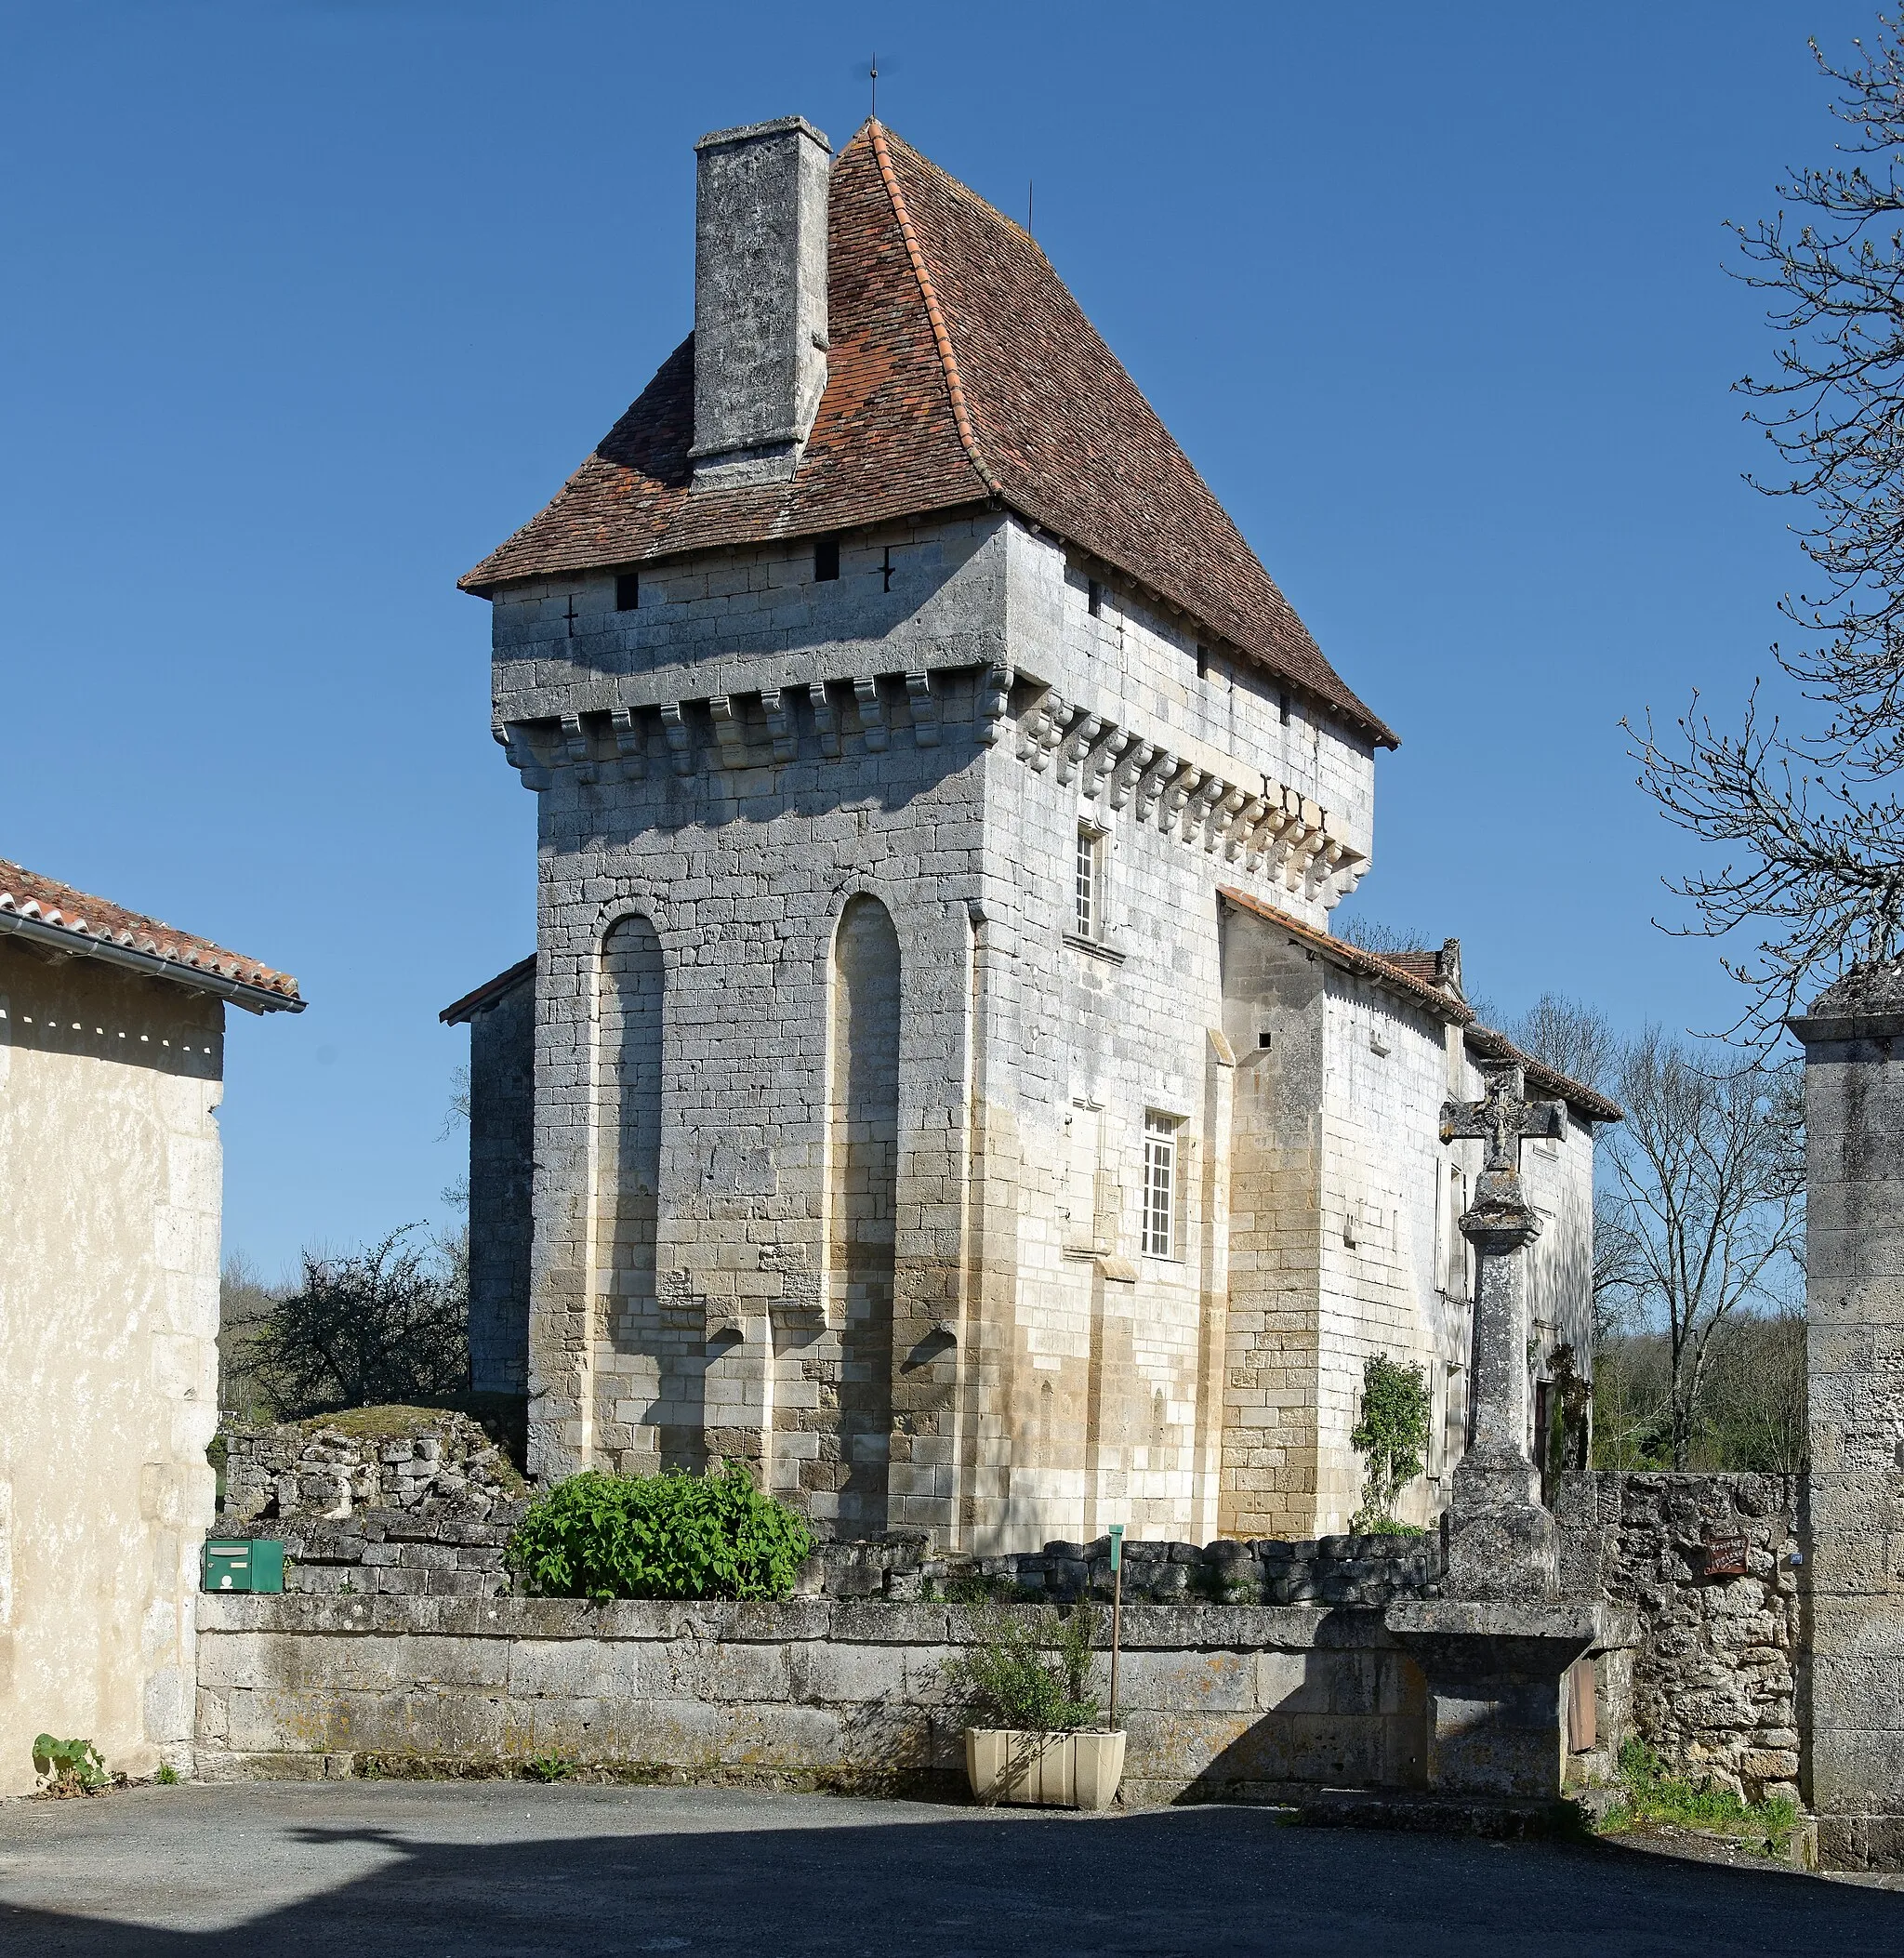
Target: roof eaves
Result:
[[1493, 1045], [1353, 958], [458, 1012], [77, 943]]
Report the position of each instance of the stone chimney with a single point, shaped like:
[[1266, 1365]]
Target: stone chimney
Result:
[[759, 299]]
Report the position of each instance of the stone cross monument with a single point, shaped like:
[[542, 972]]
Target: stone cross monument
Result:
[[1493, 1648], [1501, 1538]]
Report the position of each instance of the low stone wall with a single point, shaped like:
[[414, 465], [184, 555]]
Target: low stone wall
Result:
[[1713, 1682], [453, 1547], [1250, 1703]]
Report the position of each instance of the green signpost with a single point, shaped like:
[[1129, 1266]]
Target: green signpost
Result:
[[1117, 1612]]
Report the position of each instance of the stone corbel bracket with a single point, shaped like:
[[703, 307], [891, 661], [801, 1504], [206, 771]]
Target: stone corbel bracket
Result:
[[724, 730], [1276, 832]]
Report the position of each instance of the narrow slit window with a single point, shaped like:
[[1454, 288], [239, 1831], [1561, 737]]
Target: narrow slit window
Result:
[[1282, 703], [627, 591], [1094, 598], [1203, 662], [1089, 883], [826, 559], [1159, 1185]]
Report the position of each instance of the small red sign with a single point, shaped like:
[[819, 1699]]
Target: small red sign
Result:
[[1726, 1555]]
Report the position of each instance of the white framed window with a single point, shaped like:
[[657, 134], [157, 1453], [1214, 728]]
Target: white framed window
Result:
[[1089, 883], [1159, 1184]]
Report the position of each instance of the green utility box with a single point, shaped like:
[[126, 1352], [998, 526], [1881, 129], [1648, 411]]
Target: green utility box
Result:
[[243, 1564]]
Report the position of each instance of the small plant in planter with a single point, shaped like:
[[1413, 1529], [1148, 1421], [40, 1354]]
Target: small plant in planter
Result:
[[1031, 1721]]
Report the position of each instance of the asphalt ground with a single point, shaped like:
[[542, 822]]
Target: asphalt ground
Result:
[[356, 1870]]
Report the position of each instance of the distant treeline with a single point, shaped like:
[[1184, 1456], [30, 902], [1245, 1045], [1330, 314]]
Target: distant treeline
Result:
[[1750, 1412]]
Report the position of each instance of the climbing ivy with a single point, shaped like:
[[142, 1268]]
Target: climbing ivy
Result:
[[1391, 1436]]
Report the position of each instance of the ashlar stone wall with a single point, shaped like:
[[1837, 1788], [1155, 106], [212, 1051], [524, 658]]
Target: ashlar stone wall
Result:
[[1343, 1239], [502, 1114], [1244, 1703]]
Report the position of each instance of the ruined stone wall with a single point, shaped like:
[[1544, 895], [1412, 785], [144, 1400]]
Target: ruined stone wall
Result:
[[1258, 1703], [110, 1160], [414, 1459], [1715, 1670]]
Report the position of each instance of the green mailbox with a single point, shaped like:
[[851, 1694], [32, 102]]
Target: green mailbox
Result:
[[243, 1564]]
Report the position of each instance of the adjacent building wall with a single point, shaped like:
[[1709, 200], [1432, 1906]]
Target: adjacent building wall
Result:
[[502, 1114], [108, 1316]]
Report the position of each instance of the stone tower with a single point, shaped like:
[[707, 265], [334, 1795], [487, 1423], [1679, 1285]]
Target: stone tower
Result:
[[939, 812]]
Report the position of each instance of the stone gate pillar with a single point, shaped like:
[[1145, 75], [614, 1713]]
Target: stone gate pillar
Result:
[[1854, 1572]]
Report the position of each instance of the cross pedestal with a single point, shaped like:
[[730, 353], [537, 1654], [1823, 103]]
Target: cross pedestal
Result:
[[1503, 1542], [1496, 1646]]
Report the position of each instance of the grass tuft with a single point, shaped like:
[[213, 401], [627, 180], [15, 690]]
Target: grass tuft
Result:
[[1652, 1796]]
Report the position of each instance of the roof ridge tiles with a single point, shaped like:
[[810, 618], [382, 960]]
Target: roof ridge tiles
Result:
[[948, 358]]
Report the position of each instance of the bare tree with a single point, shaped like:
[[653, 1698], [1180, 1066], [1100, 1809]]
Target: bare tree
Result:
[[1573, 1040], [1376, 934], [386, 1323], [1704, 1193], [1812, 820]]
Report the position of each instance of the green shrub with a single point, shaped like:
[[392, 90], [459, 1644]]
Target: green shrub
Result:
[[68, 1766], [1392, 1435], [673, 1535], [1026, 1669]]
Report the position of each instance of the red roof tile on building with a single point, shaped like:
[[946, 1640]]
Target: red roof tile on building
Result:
[[960, 371], [45, 908], [1490, 1045]]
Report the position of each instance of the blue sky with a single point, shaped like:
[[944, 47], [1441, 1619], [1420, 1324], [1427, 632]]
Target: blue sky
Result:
[[308, 305]]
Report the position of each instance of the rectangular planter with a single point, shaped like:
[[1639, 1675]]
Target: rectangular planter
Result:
[[1079, 1770]]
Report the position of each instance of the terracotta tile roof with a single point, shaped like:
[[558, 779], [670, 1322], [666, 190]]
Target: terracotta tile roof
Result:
[[459, 1011], [960, 371], [1422, 965], [43, 905]]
